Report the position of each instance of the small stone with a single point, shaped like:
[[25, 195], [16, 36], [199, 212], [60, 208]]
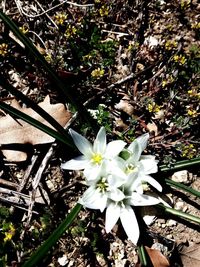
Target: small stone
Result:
[[63, 260], [171, 223], [181, 177], [179, 205]]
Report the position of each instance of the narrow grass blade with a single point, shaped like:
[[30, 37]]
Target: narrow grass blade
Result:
[[180, 165], [40, 253], [142, 256], [33, 105], [183, 187], [57, 81], [14, 112], [179, 213]]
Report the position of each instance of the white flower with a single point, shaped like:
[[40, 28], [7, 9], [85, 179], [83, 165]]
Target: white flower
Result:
[[93, 155], [138, 167], [102, 189], [115, 183], [122, 210]]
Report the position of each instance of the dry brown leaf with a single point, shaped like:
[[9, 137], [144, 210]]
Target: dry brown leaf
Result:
[[157, 258], [125, 105], [190, 256], [152, 127], [12, 132]]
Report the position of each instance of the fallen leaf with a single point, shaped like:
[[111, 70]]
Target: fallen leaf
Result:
[[157, 258], [190, 256], [152, 127], [125, 105], [20, 132]]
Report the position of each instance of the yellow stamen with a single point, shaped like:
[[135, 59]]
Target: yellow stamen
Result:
[[97, 158]]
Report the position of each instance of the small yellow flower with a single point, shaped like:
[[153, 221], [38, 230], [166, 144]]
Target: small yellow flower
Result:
[[180, 59], [24, 29], [70, 31], [97, 73], [60, 18], [48, 57], [196, 25], [188, 151], [3, 49], [193, 93], [10, 233], [170, 44], [169, 80], [192, 113], [185, 3], [103, 11], [153, 107]]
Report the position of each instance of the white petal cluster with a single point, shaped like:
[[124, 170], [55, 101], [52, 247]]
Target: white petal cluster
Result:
[[115, 176]]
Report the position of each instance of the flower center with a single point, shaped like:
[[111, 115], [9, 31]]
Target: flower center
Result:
[[97, 158], [130, 168], [102, 185]]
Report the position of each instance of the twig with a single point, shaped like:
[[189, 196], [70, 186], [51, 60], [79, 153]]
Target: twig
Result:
[[18, 4], [27, 173], [8, 183]]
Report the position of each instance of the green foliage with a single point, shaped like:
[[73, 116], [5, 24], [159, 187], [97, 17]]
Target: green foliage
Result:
[[103, 118]]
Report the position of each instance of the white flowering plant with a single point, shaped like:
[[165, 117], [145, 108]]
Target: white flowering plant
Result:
[[115, 175]]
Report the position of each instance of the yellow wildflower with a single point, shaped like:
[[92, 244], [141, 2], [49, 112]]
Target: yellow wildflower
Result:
[[70, 31], [193, 93], [169, 80], [153, 107], [170, 44], [24, 29], [188, 151], [10, 233], [196, 25], [97, 73], [180, 59], [3, 49], [185, 3], [103, 11], [60, 18], [192, 113], [48, 57]]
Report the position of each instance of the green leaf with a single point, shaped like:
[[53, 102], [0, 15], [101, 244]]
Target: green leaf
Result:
[[182, 187], [179, 213], [40, 253], [180, 165]]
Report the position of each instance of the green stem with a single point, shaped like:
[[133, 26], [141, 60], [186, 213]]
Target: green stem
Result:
[[179, 213], [182, 187], [180, 165], [40, 253], [142, 255]]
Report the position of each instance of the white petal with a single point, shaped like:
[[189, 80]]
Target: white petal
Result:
[[149, 165], [93, 199], [130, 224], [116, 195], [83, 145], [138, 145], [112, 216], [78, 163], [92, 172], [115, 180], [143, 200], [99, 145], [151, 181], [114, 148]]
